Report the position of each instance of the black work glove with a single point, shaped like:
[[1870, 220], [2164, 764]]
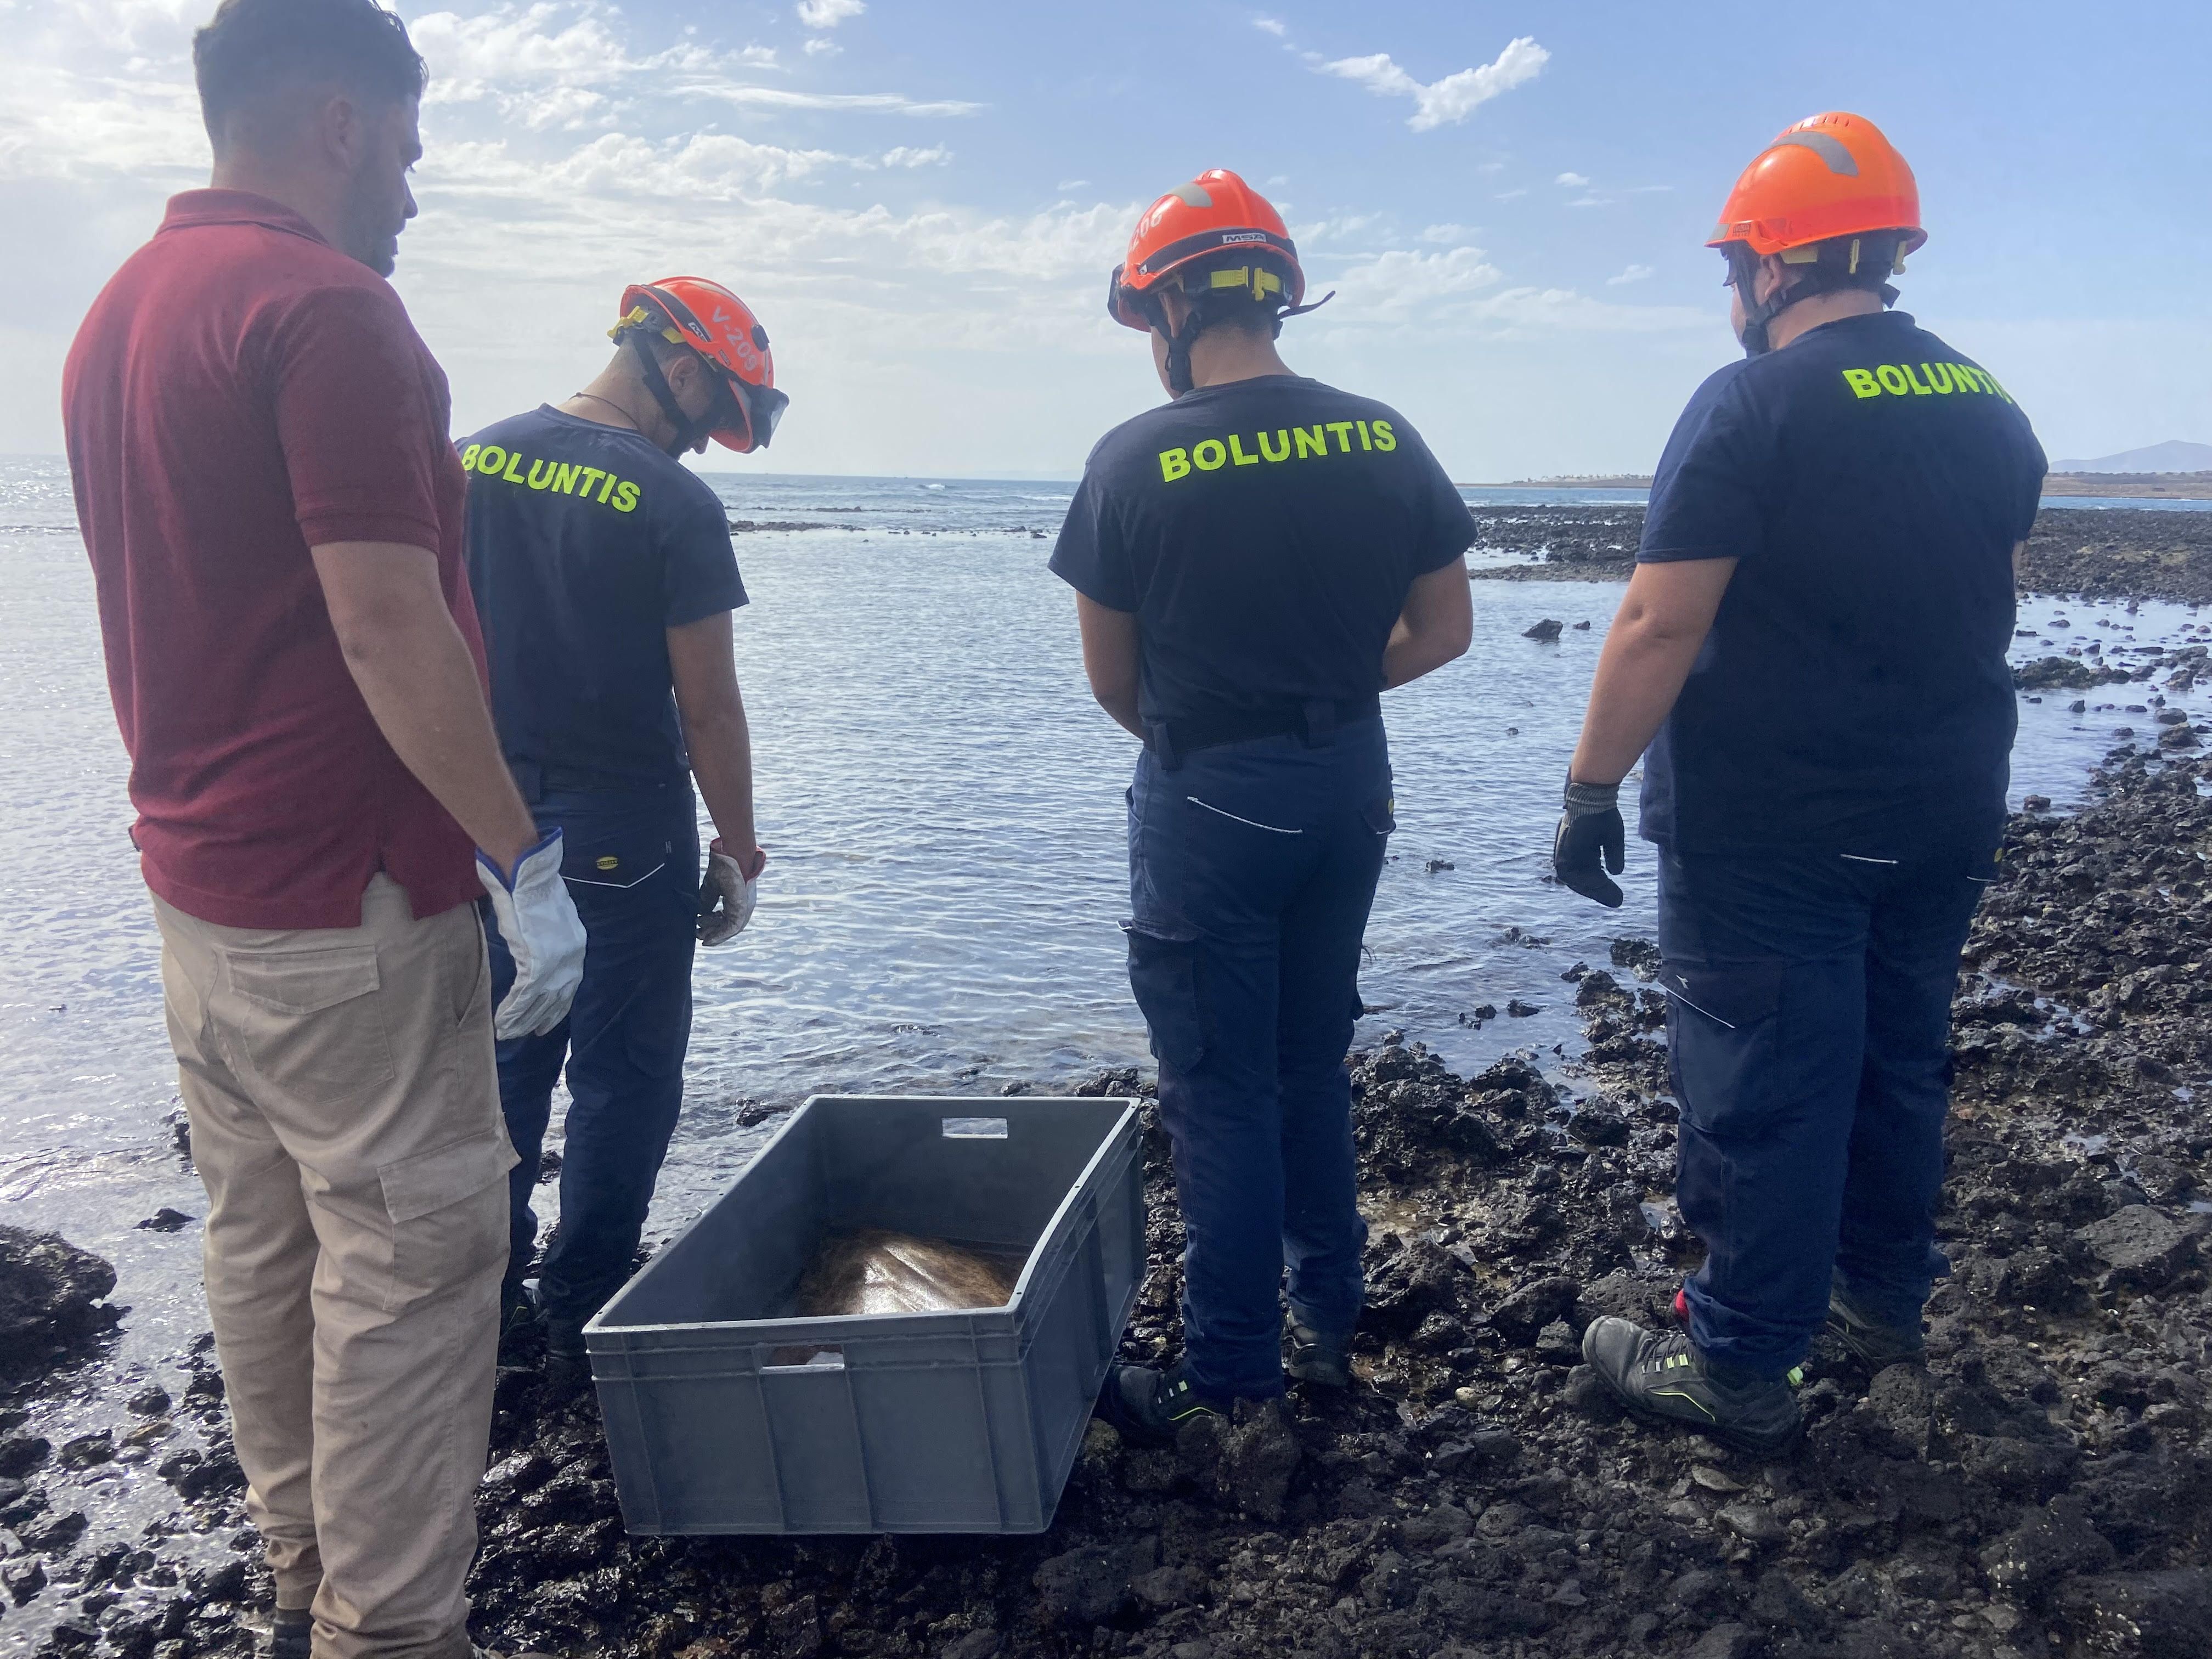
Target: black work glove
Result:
[[1591, 841]]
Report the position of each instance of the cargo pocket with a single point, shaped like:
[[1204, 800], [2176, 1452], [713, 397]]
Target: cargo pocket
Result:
[[311, 1024], [1163, 976], [448, 1212], [1721, 1037]]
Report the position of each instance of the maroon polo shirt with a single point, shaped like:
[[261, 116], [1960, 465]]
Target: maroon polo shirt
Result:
[[239, 392]]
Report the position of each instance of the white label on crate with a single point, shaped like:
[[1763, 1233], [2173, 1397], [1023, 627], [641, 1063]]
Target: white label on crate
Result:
[[975, 1128]]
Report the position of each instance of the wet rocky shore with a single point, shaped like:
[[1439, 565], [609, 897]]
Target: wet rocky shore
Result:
[[2042, 1487], [2142, 553]]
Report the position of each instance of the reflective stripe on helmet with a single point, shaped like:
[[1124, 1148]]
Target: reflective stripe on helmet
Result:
[[1215, 241]]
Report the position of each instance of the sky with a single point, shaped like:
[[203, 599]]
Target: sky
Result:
[[922, 201]]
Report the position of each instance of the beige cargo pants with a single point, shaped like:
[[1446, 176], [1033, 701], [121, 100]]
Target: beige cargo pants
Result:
[[345, 1120]]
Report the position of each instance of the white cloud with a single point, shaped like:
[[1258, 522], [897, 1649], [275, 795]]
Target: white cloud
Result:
[[1632, 274], [890, 102], [562, 46], [828, 13], [1340, 228], [1452, 99], [573, 148], [1273, 26], [821, 46], [1591, 200], [1573, 182], [1393, 285], [1459, 292], [566, 107], [1512, 195], [705, 167]]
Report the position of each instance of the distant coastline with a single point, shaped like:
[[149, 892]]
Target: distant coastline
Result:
[[2134, 486]]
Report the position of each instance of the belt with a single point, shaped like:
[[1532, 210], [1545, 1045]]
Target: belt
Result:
[[536, 780], [1316, 721]]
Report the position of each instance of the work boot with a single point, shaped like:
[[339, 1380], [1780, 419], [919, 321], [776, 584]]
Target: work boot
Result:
[[290, 1634], [1325, 1360], [1148, 1406], [1664, 1379], [1875, 1343]]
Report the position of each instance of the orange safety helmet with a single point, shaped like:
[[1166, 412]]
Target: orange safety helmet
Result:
[[691, 311], [1216, 213], [1828, 177], [1216, 228]]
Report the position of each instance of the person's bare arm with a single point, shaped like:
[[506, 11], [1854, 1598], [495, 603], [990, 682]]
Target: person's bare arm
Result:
[[1656, 634], [702, 662], [420, 682], [1437, 626], [1109, 659]]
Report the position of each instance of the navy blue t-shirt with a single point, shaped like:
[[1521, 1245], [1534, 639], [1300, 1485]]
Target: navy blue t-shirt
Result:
[[1265, 533], [586, 544], [1853, 696]]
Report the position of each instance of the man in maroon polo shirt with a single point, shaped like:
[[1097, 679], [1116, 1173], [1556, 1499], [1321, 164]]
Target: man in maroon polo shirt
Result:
[[274, 511]]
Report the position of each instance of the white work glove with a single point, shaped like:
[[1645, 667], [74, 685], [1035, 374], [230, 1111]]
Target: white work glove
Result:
[[726, 895], [544, 935]]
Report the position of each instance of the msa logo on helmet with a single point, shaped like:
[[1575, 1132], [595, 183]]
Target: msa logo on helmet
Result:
[[1229, 236]]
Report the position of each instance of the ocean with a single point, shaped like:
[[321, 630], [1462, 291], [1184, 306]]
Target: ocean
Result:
[[943, 806]]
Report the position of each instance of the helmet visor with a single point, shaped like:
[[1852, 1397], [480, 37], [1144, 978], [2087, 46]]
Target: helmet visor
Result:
[[746, 416]]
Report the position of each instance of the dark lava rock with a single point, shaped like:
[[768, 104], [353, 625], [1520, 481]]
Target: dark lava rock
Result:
[[22, 1580], [2048, 1545], [2141, 1613], [166, 1220], [150, 1401], [20, 1454], [1558, 1345], [224, 1582], [87, 1449], [1728, 1642], [1545, 630], [203, 1474], [1523, 1315], [1598, 1126], [2064, 674], [57, 1536], [50, 1293], [2143, 1248], [1086, 1586]]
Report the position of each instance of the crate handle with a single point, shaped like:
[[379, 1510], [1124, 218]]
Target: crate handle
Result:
[[975, 1128], [829, 1357]]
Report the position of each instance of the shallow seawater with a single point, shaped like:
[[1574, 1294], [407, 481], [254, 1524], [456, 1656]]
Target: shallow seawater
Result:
[[943, 804]]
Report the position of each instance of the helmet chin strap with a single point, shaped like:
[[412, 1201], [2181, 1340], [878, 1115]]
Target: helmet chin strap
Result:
[[1179, 342], [690, 430], [1757, 317]]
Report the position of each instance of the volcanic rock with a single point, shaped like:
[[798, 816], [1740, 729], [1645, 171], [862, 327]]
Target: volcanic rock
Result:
[[51, 1294]]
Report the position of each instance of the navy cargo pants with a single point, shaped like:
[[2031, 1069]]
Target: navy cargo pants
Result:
[[631, 858], [1808, 1027], [1252, 868]]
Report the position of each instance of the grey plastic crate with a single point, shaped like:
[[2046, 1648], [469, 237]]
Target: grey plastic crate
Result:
[[941, 1422]]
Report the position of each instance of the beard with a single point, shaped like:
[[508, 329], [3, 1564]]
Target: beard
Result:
[[374, 219]]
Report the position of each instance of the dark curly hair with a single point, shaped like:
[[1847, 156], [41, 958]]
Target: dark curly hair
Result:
[[253, 51]]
